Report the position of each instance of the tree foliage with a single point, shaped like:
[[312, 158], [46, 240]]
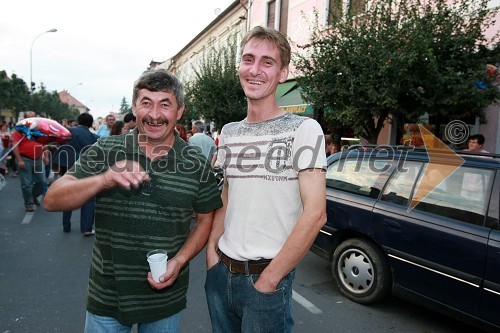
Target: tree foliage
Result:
[[14, 93], [125, 107], [48, 104], [216, 93], [400, 59], [16, 97]]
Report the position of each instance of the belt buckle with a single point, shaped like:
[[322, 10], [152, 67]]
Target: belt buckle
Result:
[[231, 266]]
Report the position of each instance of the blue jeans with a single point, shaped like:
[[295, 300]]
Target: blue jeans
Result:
[[86, 217], [100, 324], [236, 306], [32, 178]]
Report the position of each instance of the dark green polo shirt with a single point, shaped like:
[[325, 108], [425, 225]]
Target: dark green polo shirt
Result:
[[128, 224]]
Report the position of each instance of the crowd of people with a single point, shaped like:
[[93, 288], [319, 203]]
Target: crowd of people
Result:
[[28, 157], [160, 194]]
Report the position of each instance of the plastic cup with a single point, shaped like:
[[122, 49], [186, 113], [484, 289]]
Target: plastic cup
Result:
[[157, 260]]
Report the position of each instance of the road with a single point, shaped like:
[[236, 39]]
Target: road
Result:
[[43, 280]]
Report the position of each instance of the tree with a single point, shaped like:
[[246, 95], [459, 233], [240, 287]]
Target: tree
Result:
[[5, 91], [216, 93], [125, 107], [14, 93], [400, 60], [48, 104], [15, 96]]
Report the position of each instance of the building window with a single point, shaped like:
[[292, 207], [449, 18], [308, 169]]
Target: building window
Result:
[[277, 15], [283, 12], [271, 14], [356, 7], [337, 9], [333, 11]]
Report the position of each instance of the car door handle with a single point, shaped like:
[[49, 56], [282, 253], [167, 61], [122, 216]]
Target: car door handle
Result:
[[392, 225]]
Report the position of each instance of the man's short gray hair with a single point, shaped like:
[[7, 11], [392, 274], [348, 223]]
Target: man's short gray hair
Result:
[[159, 80], [200, 126]]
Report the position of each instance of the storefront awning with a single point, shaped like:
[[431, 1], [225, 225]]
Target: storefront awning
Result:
[[284, 88], [291, 101]]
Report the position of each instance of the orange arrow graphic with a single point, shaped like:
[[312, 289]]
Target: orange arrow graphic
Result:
[[442, 163]]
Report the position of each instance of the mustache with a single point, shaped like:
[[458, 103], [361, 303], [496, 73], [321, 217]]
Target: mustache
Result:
[[153, 121]]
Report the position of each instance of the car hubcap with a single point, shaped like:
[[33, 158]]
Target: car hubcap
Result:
[[355, 271]]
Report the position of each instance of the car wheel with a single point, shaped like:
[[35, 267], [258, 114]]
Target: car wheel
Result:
[[361, 271]]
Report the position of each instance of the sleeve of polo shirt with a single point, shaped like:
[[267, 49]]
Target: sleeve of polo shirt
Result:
[[208, 198], [91, 162], [309, 146]]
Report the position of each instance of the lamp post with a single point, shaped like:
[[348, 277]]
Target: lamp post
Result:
[[73, 87], [69, 93], [31, 56]]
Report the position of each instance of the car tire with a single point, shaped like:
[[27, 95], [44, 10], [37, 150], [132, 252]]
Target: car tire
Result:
[[361, 271]]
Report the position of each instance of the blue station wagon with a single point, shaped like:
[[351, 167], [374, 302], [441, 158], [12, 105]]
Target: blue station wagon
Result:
[[423, 228]]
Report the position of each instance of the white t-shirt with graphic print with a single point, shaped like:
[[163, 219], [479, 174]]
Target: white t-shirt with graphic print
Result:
[[261, 163]]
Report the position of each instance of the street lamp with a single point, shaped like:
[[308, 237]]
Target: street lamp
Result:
[[76, 85], [70, 90], [31, 56]]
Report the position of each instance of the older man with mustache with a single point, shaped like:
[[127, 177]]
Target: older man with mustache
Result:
[[147, 183]]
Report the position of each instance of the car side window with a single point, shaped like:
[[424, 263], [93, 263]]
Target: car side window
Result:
[[493, 218], [402, 182], [359, 176], [463, 196]]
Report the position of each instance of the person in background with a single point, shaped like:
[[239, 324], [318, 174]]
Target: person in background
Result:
[[146, 194], [274, 198], [3, 164], [49, 152], [29, 155], [5, 145], [72, 123], [65, 157], [118, 128], [476, 143], [182, 131], [104, 129], [9, 160], [189, 134], [473, 184], [331, 147], [202, 141], [129, 121]]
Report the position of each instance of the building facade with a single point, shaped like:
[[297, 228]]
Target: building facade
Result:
[[295, 18], [73, 103]]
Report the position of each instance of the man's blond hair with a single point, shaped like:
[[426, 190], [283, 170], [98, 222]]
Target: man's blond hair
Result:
[[273, 36]]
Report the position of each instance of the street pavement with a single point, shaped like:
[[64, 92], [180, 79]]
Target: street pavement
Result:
[[44, 272]]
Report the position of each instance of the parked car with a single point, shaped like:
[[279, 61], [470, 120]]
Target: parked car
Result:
[[425, 229]]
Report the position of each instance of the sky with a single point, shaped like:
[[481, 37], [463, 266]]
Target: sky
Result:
[[100, 47]]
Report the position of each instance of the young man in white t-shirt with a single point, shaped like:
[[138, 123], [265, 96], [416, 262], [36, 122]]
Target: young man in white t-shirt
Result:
[[274, 198]]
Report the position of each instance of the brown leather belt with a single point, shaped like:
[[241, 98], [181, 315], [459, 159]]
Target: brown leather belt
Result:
[[245, 267]]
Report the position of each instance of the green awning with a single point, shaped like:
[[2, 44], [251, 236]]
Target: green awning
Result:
[[284, 88], [291, 101], [291, 98]]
